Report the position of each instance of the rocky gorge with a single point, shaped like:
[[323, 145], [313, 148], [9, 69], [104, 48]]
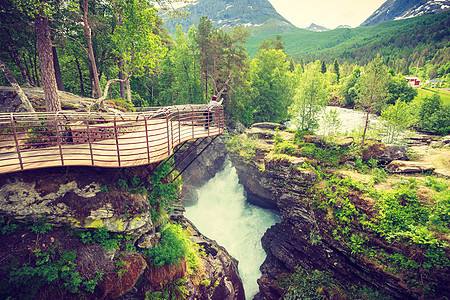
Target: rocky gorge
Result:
[[375, 226], [83, 211], [323, 228]]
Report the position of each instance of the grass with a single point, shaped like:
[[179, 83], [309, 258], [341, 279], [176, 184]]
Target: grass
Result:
[[445, 95]]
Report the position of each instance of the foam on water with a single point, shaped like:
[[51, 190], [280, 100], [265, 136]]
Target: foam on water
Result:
[[223, 214]]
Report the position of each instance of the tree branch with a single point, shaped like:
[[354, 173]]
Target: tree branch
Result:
[[73, 39], [99, 101]]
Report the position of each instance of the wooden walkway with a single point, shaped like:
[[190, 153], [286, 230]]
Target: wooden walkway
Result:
[[39, 140]]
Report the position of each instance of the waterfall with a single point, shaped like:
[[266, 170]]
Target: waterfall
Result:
[[223, 214]]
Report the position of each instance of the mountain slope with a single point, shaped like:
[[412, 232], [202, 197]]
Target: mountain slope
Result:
[[229, 13], [317, 28], [402, 9], [393, 39]]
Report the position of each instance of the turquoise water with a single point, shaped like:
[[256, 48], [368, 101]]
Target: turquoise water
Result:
[[223, 214]]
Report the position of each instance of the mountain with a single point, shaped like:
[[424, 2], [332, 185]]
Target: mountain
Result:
[[403, 9], [316, 28], [411, 39], [229, 13], [343, 26]]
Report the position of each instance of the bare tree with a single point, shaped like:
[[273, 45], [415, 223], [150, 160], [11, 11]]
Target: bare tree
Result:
[[9, 76]]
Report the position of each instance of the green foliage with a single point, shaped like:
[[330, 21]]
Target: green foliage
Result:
[[173, 246], [8, 226], [304, 284], [41, 135], [123, 105], [310, 99], [271, 86], [433, 115], [393, 40], [330, 123], [135, 185], [162, 192], [47, 267], [283, 147], [400, 90], [243, 145], [101, 235], [172, 290], [349, 89], [40, 225], [135, 40], [396, 119], [328, 157]]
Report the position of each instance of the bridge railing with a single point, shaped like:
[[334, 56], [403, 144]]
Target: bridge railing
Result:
[[67, 138]]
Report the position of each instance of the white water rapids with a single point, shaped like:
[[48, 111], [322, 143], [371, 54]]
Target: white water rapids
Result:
[[223, 214]]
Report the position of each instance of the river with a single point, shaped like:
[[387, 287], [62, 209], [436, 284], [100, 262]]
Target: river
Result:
[[223, 214]]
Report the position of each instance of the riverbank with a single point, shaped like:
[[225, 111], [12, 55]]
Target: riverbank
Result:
[[351, 224]]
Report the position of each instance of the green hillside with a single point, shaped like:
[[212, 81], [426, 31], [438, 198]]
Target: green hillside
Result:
[[398, 38]]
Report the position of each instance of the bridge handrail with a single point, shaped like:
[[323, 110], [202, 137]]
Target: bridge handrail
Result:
[[42, 139]]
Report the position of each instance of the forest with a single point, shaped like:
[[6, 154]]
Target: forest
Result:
[[121, 50]]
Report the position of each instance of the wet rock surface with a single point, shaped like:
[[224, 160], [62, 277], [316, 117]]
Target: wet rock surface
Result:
[[300, 239], [203, 168]]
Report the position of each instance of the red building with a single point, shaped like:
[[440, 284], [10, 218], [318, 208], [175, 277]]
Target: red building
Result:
[[413, 81]]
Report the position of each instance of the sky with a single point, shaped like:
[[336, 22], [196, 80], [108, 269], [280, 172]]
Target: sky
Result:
[[327, 13]]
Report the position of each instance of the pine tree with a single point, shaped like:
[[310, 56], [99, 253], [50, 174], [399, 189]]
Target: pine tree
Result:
[[336, 70], [323, 68]]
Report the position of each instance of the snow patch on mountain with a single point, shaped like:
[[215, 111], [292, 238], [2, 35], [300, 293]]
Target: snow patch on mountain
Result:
[[404, 9]]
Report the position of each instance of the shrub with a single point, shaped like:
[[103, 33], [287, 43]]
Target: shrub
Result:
[[173, 246], [244, 146]]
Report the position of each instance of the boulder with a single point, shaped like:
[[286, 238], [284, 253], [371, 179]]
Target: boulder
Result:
[[149, 240], [130, 266], [268, 125], [384, 153], [400, 166], [329, 142], [77, 200], [442, 142]]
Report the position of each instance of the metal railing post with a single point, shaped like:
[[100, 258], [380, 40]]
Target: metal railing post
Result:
[[58, 138], [89, 138], [179, 126], [146, 138], [16, 141], [117, 139], [192, 118], [168, 133]]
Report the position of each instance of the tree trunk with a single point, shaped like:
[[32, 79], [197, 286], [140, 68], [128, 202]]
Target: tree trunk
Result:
[[80, 76], [44, 45], [58, 76], [87, 31], [27, 70], [9, 76], [36, 73], [122, 83], [128, 89], [365, 129], [17, 60]]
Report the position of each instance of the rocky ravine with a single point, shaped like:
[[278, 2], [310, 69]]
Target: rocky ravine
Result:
[[86, 198], [284, 185]]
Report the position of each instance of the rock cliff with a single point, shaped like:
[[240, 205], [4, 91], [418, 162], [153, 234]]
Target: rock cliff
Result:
[[308, 235], [50, 214]]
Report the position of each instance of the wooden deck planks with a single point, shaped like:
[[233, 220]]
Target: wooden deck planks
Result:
[[130, 150]]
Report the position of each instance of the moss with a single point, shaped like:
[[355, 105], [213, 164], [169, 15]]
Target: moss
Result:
[[119, 225], [94, 224]]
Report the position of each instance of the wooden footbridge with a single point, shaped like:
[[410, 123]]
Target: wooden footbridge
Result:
[[67, 138]]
